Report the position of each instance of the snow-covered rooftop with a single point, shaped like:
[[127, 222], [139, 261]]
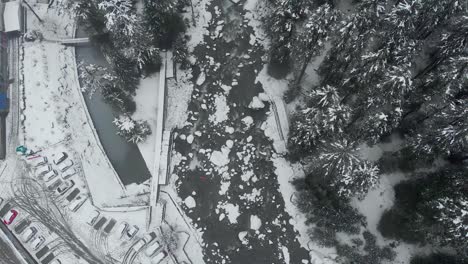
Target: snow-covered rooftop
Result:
[[12, 16]]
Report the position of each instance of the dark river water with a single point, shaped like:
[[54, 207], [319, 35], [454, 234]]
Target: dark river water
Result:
[[239, 62], [124, 156]]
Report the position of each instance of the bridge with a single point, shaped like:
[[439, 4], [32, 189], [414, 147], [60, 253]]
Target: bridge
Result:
[[74, 41]]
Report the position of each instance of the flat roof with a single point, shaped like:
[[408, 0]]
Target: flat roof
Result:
[[11, 16]]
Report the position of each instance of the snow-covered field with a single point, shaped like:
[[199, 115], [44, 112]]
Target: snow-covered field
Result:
[[55, 112]]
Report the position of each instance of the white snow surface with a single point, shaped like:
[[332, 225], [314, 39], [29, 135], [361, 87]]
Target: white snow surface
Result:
[[286, 254], [221, 111], [373, 206], [248, 121], [231, 210], [146, 100], [55, 110], [256, 103], [190, 202], [255, 222], [11, 16], [286, 172], [220, 158], [178, 98]]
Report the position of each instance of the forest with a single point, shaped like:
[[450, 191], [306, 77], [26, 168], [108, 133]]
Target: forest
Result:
[[391, 69]]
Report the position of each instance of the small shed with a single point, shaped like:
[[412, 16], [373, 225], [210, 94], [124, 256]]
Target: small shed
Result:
[[12, 17]]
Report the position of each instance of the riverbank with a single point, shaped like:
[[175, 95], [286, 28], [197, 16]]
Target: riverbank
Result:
[[54, 115]]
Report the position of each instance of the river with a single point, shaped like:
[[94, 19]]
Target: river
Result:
[[226, 203], [124, 156]]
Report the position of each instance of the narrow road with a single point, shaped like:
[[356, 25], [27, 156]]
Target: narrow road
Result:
[[7, 252], [12, 160]]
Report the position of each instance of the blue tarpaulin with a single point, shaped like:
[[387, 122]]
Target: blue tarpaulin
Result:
[[3, 101]]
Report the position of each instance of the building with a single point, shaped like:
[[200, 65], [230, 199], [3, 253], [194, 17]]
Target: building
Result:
[[3, 60], [12, 17]]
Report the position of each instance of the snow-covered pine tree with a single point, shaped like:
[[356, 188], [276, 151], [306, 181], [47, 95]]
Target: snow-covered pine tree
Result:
[[134, 131], [326, 117], [143, 48], [120, 16], [280, 24], [444, 134], [164, 20], [94, 77], [340, 164], [309, 41], [445, 197]]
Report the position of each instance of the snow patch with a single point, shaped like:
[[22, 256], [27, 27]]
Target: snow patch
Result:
[[256, 103], [248, 121], [220, 158], [232, 212], [222, 110], [255, 222], [190, 202]]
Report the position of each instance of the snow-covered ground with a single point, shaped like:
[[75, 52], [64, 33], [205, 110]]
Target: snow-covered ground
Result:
[[55, 112], [146, 100]]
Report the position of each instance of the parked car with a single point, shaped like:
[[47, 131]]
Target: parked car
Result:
[[37, 242], [22, 225], [149, 237], [53, 184], [10, 217], [159, 257], [63, 166], [65, 186], [50, 175], [110, 225], [152, 249], [29, 234], [43, 169], [139, 245], [122, 228], [77, 203], [60, 157], [132, 231], [100, 223], [73, 194], [93, 217], [68, 173], [37, 161]]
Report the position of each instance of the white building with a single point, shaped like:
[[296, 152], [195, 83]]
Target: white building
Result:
[[12, 17]]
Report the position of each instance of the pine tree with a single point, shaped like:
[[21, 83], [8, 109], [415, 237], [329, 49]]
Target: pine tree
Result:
[[120, 16], [327, 117], [134, 131], [310, 41], [280, 24], [94, 77], [445, 197], [341, 165]]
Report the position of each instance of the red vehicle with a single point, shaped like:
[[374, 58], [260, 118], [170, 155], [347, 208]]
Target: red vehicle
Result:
[[10, 217]]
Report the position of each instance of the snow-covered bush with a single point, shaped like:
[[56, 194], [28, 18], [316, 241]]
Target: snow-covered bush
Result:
[[340, 164], [181, 52], [94, 77], [33, 35], [119, 99], [120, 16], [135, 131]]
